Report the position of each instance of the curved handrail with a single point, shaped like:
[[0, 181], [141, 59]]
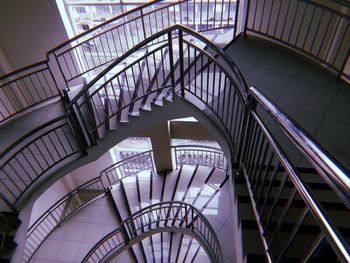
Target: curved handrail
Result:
[[31, 134], [200, 154], [128, 166], [329, 167], [230, 64], [76, 60], [38, 151], [166, 216], [133, 10], [59, 212], [103, 47], [215, 106], [20, 70], [111, 92], [332, 172], [26, 87], [110, 41], [316, 29], [75, 200]]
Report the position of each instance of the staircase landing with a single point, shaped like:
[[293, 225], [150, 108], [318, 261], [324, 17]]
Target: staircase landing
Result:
[[309, 94]]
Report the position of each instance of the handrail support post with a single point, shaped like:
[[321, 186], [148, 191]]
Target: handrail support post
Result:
[[74, 123], [182, 77], [246, 125], [171, 59]]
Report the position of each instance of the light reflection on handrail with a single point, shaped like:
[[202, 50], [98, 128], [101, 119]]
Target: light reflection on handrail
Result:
[[257, 171], [331, 171]]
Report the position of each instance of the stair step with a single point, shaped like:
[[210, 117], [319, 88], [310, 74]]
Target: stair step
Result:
[[131, 193], [134, 114], [298, 203], [157, 184], [145, 180], [118, 198]]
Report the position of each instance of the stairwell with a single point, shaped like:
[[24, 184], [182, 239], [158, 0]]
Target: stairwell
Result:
[[103, 110], [204, 187]]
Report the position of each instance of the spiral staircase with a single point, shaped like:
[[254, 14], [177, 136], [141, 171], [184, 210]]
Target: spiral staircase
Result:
[[297, 213]]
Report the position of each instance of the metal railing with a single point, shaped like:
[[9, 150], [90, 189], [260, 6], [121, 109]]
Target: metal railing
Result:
[[25, 88], [129, 166], [156, 75], [319, 31], [93, 48], [82, 196], [178, 64], [165, 216], [197, 154], [283, 196], [59, 212], [33, 155], [205, 75]]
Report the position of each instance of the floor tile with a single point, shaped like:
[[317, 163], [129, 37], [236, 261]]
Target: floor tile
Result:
[[84, 248], [340, 108], [67, 251], [271, 83], [74, 231], [306, 120], [334, 137], [48, 250], [94, 232], [308, 97]]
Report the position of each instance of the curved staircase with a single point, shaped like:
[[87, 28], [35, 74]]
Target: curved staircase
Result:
[[285, 205]]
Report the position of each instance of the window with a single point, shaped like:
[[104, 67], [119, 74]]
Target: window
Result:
[[80, 10], [102, 9]]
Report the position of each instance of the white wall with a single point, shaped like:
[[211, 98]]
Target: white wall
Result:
[[47, 199], [28, 30]]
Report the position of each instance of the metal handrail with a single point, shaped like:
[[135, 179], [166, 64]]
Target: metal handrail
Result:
[[133, 10], [111, 172], [197, 146], [99, 92], [22, 167], [116, 26], [20, 70], [334, 237], [331, 170], [256, 165], [220, 53], [130, 158], [328, 25], [104, 59], [64, 208], [58, 213], [53, 54], [185, 217], [30, 135], [217, 157], [25, 88], [143, 16]]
